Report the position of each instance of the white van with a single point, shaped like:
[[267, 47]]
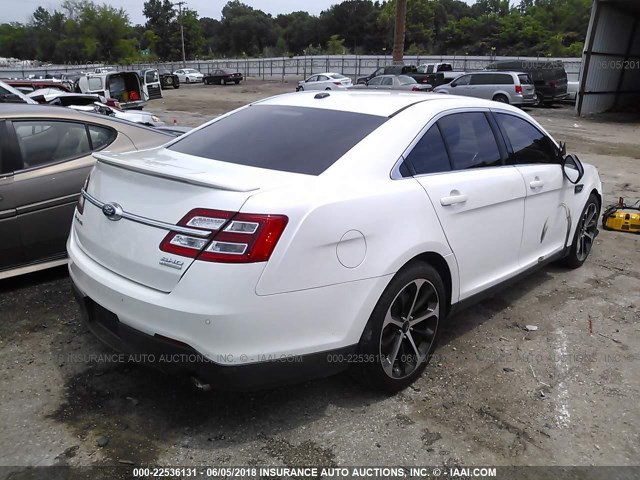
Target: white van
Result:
[[123, 87]]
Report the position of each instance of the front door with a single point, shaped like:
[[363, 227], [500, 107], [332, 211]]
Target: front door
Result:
[[549, 194]]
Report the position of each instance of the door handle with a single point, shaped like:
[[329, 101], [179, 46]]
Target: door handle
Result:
[[453, 200], [536, 184]]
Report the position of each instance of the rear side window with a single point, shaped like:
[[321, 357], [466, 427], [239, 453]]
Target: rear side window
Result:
[[44, 142], [529, 144], [429, 155], [470, 140], [525, 79], [95, 83], [479, 79], [290, 139], [101, 136], [502, 79]]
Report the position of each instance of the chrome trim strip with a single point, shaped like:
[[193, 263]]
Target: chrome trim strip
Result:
[[149, 222]]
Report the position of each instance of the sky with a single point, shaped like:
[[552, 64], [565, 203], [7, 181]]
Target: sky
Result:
[[22, 10]]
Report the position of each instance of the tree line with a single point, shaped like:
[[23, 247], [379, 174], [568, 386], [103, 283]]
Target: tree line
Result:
[[83, 31]]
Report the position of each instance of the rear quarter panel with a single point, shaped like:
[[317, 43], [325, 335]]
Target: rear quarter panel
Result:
[[384, 224]]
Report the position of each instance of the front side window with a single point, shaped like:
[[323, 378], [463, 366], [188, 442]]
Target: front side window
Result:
[[323, 78], [44, 142], [387, 81], [290, 139], [470, 140], [375, 81], [429, 155], [529, 144]]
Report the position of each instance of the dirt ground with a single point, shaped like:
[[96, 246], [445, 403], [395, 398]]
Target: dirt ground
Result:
[[495, 394]]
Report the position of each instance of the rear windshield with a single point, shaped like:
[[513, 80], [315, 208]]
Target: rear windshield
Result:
[[404, 80], [290, 139]]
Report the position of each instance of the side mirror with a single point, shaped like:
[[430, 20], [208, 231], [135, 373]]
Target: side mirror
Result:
[[453, 84], [572, 168]]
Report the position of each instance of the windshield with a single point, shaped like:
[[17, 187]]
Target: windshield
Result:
[[290, 139]]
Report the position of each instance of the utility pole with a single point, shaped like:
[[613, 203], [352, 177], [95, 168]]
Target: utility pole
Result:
[[184, 58], [398, 37]]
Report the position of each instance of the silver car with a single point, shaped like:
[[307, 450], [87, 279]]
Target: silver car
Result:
[[395, 82], [45, 157], [515, 88], [324, 81]]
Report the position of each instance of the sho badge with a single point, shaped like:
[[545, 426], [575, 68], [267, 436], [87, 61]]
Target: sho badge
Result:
[[171, 262]]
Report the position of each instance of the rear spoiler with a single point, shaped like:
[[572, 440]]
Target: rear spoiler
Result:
[[171, 172]]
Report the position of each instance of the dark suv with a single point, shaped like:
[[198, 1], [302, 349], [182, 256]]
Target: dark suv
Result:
[[549, 78]]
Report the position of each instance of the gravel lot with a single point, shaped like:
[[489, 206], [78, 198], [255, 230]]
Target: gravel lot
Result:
[[495, 394]]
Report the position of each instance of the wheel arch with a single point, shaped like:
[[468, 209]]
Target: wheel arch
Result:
[[438, 262]]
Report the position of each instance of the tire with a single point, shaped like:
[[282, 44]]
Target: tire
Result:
[[237, 82], [186, 80], [169, 81], [415, 288], [176, 85], [501, 99], [585, 236]]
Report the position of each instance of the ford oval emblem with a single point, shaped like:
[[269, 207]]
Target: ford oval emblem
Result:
[[112, 211]]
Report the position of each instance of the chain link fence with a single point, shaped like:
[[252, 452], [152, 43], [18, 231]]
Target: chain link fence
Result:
[[280, 68]]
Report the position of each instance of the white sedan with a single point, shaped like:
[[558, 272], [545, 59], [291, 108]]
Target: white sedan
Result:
[[311, 232], [189, 75], [324, 81]]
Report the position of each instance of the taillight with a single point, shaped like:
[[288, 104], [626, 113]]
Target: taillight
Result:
[[232, 238], [246, 238], [518, 88], [554, 84], [337, 83], [415, 88]]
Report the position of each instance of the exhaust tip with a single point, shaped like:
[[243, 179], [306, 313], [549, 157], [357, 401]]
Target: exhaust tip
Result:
[[200, 385]]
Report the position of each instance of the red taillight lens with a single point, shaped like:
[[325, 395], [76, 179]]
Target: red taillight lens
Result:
[[554, 84], [246, 238], [415, 88], [232, 238], [518, 88], [201, 219]]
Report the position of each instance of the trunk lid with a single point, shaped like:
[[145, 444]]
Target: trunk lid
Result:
[[152, 191]]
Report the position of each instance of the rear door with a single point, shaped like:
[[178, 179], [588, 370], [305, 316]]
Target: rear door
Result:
[[152, 84], [11, 253], [54, 161], [549, 195], [479, 202], [528, 89], [481, 86]]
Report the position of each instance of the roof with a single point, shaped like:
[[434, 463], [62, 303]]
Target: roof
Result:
[[379, 103]]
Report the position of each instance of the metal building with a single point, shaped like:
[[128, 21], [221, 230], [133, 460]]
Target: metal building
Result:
[[610, 77]]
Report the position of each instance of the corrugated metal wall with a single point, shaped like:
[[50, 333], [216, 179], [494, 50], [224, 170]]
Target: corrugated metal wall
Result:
[[610, 78]]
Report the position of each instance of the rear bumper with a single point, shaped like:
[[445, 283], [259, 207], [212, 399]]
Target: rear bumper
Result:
[[182, 360], [215, 313]]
